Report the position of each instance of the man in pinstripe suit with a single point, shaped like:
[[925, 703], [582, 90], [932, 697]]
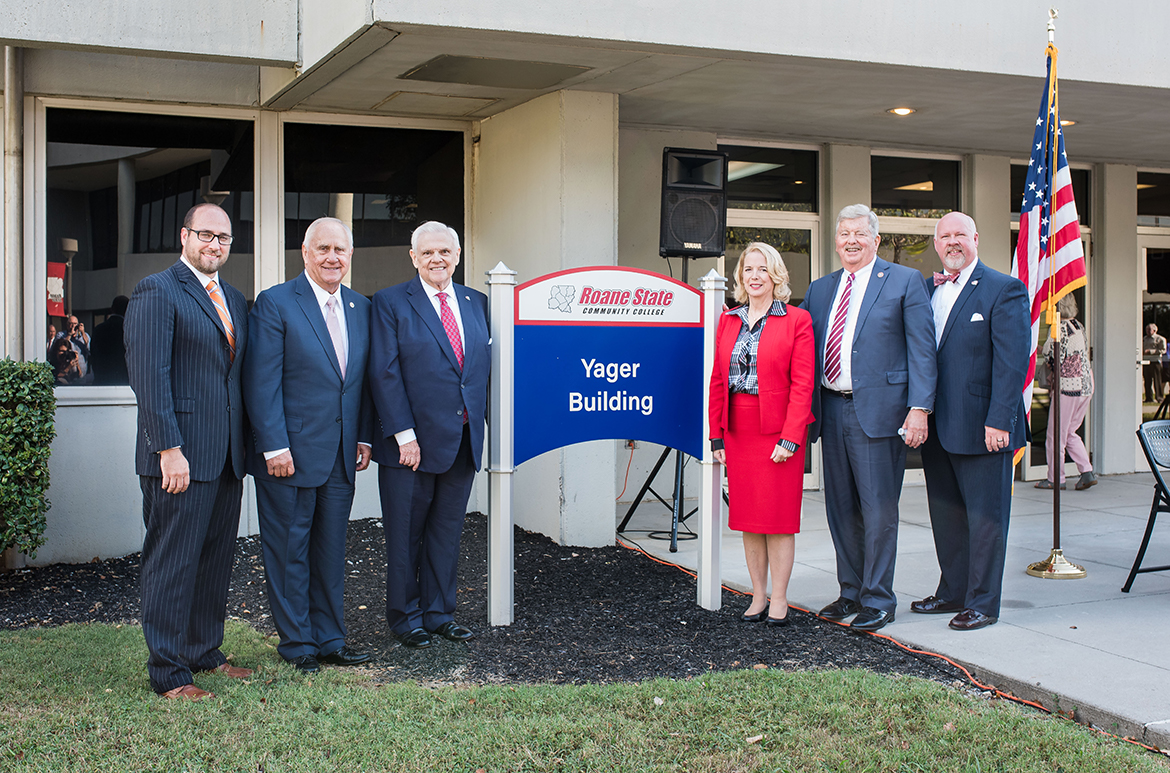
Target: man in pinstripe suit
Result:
[[185, 336]]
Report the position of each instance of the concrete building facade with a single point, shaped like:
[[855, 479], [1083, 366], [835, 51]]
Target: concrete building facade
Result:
[[537, 132]]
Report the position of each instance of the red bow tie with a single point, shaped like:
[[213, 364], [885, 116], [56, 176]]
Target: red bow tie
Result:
[[941, 277]]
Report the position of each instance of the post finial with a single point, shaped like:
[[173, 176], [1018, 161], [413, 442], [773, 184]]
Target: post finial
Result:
[[1052, 14]]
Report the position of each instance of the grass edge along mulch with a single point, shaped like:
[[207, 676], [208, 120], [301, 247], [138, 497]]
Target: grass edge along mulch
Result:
[[76, 698]]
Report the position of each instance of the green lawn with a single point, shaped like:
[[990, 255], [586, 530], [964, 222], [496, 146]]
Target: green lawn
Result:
[[76, 699]]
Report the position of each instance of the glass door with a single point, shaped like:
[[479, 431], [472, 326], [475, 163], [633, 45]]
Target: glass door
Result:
[[797, 239], [909, 241]]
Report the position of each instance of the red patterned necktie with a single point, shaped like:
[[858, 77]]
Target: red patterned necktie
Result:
[[451, 327], [941, 277], [833, 348], [224, 317]]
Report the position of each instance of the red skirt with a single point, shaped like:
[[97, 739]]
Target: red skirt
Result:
[[765, 496]]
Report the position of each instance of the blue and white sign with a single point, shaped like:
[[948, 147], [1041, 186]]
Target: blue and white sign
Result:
[[607, 353]]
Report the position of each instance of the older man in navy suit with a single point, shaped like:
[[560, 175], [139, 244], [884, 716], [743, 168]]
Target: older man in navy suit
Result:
[[876, 378], [983, 328], [186, 332], [429, 365], [305, 388]]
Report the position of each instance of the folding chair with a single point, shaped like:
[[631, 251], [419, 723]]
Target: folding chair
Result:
[[1155, 439]]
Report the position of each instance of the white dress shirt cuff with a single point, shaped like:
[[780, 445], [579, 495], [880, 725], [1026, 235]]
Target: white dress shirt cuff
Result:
[[405, 436], [273, 454]]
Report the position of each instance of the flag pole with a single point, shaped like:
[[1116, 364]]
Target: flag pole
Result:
[[1056, 566]]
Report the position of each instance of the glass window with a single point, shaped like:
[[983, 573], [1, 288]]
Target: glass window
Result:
[[1153, 198], [913, 187], [776, 179], [383, 182], [119, 185], [1080, 184], [913, 250]]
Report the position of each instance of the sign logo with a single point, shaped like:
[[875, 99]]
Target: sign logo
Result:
[[607, 295], [560, 298]]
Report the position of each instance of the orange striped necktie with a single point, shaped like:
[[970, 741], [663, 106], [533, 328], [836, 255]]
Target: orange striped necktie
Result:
[[221, 308]]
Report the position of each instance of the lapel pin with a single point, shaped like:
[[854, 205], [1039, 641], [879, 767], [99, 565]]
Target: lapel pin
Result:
[[467, 297], [975, 283], [881, 274], [351, 304]]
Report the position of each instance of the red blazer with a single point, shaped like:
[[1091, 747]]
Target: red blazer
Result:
[[785, 368]]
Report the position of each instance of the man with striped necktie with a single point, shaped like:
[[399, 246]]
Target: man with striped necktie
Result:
[[185, 333], [429, 361], [876, 375]]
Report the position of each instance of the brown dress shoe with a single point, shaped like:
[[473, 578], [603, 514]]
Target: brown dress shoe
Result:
[[235, 672], [969, 620], [188, 692]]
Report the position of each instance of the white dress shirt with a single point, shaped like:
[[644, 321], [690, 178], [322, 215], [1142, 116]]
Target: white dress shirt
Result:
[[205, 280], [323, 297], [407, 435], [844, 382], [944, 299]]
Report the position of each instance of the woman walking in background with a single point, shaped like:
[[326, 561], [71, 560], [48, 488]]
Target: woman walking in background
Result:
[[760, 409], [1075, 376]]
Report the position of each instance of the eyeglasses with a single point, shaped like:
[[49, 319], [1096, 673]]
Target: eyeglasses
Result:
[[207, 236]]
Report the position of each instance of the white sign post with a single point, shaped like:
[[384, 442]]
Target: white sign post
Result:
[[501, 583], [709, 591]]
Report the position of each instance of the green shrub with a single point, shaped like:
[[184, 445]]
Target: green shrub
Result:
[[27, 407]]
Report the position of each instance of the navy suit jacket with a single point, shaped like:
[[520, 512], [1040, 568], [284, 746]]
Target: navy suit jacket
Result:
[[415, 379], [182, 373], [893, 358], [293, 388], [983, 362]]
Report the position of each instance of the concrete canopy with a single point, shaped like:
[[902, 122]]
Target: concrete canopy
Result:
[[736, 93]]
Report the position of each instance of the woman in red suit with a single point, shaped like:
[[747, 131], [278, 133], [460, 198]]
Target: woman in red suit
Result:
[[761, 406]]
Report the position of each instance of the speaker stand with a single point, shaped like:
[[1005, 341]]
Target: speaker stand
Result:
[[676, 515]]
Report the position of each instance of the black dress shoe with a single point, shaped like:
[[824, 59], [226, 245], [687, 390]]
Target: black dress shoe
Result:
[[777, 622], [758, 617], [345, 657], [306, 664], [870, 619], [452, 631], [933, 605], [970, 620], [417, 639], [840, 609]]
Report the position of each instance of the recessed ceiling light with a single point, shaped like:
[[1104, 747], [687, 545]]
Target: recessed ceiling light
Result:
[[1145, 186], [901, 110], [926, 186], [798, 182], [1065, 122]]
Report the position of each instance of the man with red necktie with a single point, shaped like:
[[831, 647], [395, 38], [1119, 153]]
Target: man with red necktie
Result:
[[429, 365], [185, 335], [875, 387]]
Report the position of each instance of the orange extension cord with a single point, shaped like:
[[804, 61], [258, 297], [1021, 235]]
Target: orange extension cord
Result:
[[988, 688]]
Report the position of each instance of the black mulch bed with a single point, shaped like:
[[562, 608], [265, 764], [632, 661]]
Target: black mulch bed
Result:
[[582, 615]]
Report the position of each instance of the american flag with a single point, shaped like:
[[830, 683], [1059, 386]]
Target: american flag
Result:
[[1049, 258]]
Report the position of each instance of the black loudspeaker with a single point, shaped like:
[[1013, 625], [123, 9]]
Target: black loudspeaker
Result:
[[694, 203]]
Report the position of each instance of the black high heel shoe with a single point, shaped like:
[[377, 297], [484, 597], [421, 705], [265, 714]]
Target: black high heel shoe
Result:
[[758, 617], [777, 622]]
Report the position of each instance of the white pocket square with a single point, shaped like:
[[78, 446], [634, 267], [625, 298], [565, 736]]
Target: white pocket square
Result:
[[976, 317]]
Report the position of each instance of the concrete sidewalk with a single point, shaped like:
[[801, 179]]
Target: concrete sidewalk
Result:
[[1079, 645]]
